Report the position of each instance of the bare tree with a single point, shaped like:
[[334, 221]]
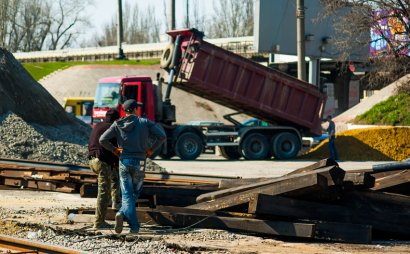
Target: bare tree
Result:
[[29, 25], [232, 18], [140, 26], [4, 20], [199, 19], [36, 24], [381, 25], [67, 15]]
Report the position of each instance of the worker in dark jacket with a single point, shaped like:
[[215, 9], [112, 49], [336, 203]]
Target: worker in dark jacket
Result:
[[105, 164], [331, 130], [132, 134]]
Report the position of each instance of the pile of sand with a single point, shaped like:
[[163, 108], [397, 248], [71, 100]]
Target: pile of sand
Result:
[[378, 144]]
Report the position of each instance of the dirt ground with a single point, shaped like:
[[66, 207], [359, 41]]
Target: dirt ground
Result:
[[20, 209]]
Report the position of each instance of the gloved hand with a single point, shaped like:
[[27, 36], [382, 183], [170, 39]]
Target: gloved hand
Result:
[[117, 151], [149, 152]]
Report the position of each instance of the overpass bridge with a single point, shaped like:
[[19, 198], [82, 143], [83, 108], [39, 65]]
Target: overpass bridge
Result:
[[239, 45]]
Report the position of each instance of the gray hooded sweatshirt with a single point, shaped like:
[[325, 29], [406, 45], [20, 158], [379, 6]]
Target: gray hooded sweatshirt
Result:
[[132, 134]]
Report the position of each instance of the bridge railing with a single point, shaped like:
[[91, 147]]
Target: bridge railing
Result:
[[238, 45]]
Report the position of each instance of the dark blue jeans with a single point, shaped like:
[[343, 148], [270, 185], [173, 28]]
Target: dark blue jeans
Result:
[[131, 182], [332, 148]]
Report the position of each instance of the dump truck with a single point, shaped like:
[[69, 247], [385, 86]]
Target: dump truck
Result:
[[291, 107]]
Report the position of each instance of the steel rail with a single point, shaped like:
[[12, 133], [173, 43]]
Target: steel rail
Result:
[[84, 170], [43, 164], [11, 244]]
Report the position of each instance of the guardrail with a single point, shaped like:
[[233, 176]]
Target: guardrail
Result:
[[238, 45]]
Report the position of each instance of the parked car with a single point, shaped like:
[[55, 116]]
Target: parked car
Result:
[[313, 141], [254, 122]]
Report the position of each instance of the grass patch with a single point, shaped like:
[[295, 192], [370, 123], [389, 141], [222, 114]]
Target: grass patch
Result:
[[393, 111], [40, 70]]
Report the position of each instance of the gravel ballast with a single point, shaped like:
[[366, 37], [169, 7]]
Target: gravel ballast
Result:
[[31, 141]]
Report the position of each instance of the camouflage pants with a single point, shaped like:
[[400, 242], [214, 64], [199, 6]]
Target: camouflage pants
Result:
[[108, 188]]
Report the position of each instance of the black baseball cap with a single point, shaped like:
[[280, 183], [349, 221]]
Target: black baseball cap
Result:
[[130, 105], [112, 115]]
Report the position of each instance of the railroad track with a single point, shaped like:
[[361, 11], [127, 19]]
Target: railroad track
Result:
[[10, 244], [70, 178], [42, 164]]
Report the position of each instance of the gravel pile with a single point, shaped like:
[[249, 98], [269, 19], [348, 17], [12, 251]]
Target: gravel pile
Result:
[[22, 140]]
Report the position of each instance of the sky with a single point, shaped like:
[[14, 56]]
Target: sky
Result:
[[103, 10]]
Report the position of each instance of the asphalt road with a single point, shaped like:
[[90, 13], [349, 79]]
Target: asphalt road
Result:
[[209, 164]]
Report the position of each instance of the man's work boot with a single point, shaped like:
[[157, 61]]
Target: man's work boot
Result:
[[119, 220], [116, 206], [103, 225], [134, 231]]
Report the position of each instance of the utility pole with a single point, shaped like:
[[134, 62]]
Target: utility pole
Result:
[[172, 14], [300, 30], [187, 14], [120, 32]]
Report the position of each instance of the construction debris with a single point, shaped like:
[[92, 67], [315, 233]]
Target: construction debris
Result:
[[321, 201]]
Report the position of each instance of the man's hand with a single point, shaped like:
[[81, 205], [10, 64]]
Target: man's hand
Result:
[[149, 152], [117, 151]]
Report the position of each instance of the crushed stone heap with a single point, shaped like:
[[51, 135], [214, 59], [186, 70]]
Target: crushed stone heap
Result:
[[377, 143], [21, 140], [33, 125], [25, 97]]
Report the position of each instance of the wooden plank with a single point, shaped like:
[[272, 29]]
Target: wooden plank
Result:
[[285, 186], [183, 217], [334, 175], [355, 209], [360, 179], [195, 220], [320, 164], [383, 203], [343, 232], [392, 180], [14, 182], [175, 195], [230, 183], [89, 190]]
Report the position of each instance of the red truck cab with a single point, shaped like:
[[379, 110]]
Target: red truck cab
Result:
[[112, 92]]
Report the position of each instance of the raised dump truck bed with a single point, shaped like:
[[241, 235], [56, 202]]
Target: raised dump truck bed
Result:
[[243, 85]]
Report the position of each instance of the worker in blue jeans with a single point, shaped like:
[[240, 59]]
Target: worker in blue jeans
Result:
[[132, 133], [331, 130]]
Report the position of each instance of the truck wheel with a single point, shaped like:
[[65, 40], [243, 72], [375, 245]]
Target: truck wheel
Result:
[[285, 146], [189, 146], [255, 147], [167, 56], [230, 152]]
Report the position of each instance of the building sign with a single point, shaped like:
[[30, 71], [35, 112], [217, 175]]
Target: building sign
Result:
[[389, 27]]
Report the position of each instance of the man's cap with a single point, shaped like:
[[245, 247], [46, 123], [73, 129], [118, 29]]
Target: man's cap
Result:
[[112, 115], [130, 105]]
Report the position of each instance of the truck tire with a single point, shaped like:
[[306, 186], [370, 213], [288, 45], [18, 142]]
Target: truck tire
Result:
[[189, 146], [255, 147], [285, 146], [230, 152], [167, 56]]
